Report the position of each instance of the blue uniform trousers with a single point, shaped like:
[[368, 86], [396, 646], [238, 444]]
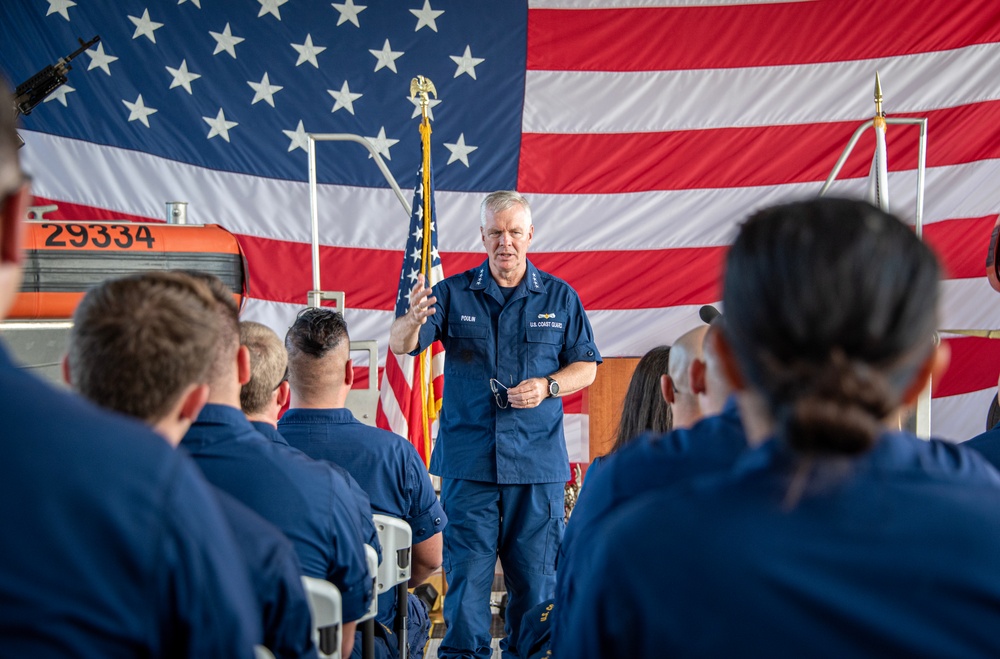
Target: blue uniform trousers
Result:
[[523, 525]]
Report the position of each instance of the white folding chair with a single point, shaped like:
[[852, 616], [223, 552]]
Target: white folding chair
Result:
[[327, 616], [394, 571], [367, 621]]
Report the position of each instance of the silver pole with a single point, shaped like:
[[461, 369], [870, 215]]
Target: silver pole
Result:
[[843, 156], [921, 170], [314, 215], [316, 295], [349, 137]]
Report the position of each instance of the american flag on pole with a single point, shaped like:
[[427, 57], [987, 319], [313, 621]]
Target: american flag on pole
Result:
[[410, 395], [642, 131]]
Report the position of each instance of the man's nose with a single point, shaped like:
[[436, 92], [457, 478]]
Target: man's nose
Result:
[[505, 239]]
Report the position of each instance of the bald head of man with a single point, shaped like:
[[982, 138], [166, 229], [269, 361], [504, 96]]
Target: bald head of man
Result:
[[685, 361]]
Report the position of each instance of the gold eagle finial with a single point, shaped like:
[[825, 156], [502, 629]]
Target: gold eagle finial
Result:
[[420, 87]]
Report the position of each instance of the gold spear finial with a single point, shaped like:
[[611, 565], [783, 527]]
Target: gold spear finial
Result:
[[420, 87], [879, 114]]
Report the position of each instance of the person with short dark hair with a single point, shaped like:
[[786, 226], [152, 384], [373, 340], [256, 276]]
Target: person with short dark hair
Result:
[[309, 501], [387, 466], [138, 346], [836, 535], [113, 546]]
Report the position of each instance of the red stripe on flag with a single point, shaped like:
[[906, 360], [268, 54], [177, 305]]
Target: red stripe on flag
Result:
[[610, 163], [573, 403], [716, 37], [961, 245], [276, 275], [975, 363]]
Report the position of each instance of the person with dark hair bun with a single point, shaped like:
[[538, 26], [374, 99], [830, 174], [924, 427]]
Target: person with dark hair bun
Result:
[[835, 535]]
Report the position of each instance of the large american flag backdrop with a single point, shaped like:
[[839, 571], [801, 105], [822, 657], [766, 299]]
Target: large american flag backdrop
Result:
[[642, 134]]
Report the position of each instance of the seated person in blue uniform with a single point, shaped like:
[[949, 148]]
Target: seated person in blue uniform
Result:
[[309, 501], [138, 347], [262, 401], [387, 466], [652, 462], [836, 535], [114, 545], [266, 393], [987, 444]]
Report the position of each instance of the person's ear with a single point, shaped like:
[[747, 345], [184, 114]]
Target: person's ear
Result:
[[667, 388], [284, 392], [697, 376], [243, 364], [67, 375], [13, 210], [349, 374], [192, 400], [932, 369], [727, 358]]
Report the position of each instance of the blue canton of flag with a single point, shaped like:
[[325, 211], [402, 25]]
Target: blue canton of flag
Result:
[[235, 86]]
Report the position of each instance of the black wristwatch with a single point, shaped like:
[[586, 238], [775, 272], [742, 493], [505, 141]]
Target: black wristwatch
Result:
[[553, 386]]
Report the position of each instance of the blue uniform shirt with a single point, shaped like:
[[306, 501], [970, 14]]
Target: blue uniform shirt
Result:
[[385, 465], [113, 544], [269, 431], [651, 462], [893, 553], [363, 508], [540, 329], [310, 502], [275, 575], [987, 445]]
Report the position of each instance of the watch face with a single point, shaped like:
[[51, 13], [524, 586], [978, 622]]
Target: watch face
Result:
[[553, 387]]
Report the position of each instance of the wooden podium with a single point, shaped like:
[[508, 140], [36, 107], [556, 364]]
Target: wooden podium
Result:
[[604, 401]]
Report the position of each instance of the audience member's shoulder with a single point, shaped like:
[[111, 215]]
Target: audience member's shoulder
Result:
[[987, 444], [963, 461], [940, 459], [31, 406]]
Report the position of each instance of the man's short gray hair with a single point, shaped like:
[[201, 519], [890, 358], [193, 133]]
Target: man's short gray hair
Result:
[[501, 200]]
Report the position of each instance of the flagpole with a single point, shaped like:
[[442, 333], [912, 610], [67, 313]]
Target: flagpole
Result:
[[880, 165], [420, 87]]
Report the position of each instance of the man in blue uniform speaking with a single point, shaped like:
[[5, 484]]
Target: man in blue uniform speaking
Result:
[[516, 340]]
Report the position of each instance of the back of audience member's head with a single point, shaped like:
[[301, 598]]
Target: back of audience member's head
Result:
[[319, 349], [644, 408], [685, 356], [831, 313], [268, 368], [139, 342], [222, 374], [716, 385]]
